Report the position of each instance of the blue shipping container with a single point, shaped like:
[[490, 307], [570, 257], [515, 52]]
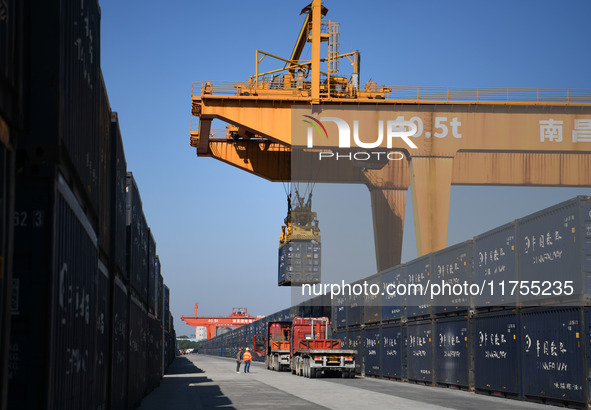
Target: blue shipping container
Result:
[[494, 262], [391, 351], [419, 351], [299, 263], [355, 306], [392, 304], [342, 336], [418, 273], [553, 354], [340, 312], [495, 352], [372, 309], [354, 342], [452, 267], [451, 352], [556, 239], [371, 350]]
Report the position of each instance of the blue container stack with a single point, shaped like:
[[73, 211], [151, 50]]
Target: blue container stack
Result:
[[519, 346]]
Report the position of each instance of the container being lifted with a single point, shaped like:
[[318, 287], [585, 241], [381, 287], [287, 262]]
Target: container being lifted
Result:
[[313, 352], [299, 245]]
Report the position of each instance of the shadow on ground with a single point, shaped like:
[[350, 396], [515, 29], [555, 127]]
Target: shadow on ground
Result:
[[182, 365], [189, 381]]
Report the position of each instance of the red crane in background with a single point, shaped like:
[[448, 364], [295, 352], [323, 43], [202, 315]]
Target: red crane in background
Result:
[[239, 317]]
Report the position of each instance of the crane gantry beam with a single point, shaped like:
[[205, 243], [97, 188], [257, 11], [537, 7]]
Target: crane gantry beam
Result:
[[463, 136], [238, 318]]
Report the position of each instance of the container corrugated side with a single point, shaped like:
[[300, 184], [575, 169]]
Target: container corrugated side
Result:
[[496, 352], [118, 252], [55, 265], [296, 310], [321, 306], [452, 266], [154, 347], [495, 259], [160, 312], [140, 284], [6, 254], [102, 356], [355, 342], [119, 344], [62, 55], [167, 323], [151, 273], [392, 354], [282, 266], [372, 309], [371, 350], [137, 241], [342, 336], [556, 239], [553, 362], [417, 274], [392, 303], [419, 351], [133, 223], [170, 351], [73, 334], [136, 380], [452, 351], [340, 311], [11, 62], [355, 301], [299, 262], [104, 173]]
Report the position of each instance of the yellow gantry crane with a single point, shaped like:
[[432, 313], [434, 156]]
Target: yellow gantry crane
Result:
[[429, 137]]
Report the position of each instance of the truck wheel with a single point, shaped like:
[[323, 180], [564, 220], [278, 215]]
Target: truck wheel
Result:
[[312, 373], [351, 373], [345, 373]]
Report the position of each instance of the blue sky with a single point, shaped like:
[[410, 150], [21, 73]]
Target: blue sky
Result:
[[217, 227]]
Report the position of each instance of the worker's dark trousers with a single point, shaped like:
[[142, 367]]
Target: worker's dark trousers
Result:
[[247, 366], [237, 366]]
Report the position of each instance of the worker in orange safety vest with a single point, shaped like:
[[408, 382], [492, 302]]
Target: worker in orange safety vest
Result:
[[247, 357]]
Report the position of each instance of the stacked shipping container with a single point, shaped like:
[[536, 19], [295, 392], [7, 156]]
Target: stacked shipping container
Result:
[[79, 326], [11, 106], [521, 347]]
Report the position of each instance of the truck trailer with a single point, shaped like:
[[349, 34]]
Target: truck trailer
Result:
[[312, 353]]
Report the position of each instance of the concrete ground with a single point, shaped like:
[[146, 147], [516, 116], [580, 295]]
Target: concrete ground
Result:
[[199, 381]]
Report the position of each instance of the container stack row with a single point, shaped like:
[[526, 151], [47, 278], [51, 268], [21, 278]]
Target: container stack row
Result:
[[539, 354], [527, 335], [11, 123], [83, 332]]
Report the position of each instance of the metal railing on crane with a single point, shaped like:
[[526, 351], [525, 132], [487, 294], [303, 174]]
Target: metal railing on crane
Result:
[[277, 85]]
